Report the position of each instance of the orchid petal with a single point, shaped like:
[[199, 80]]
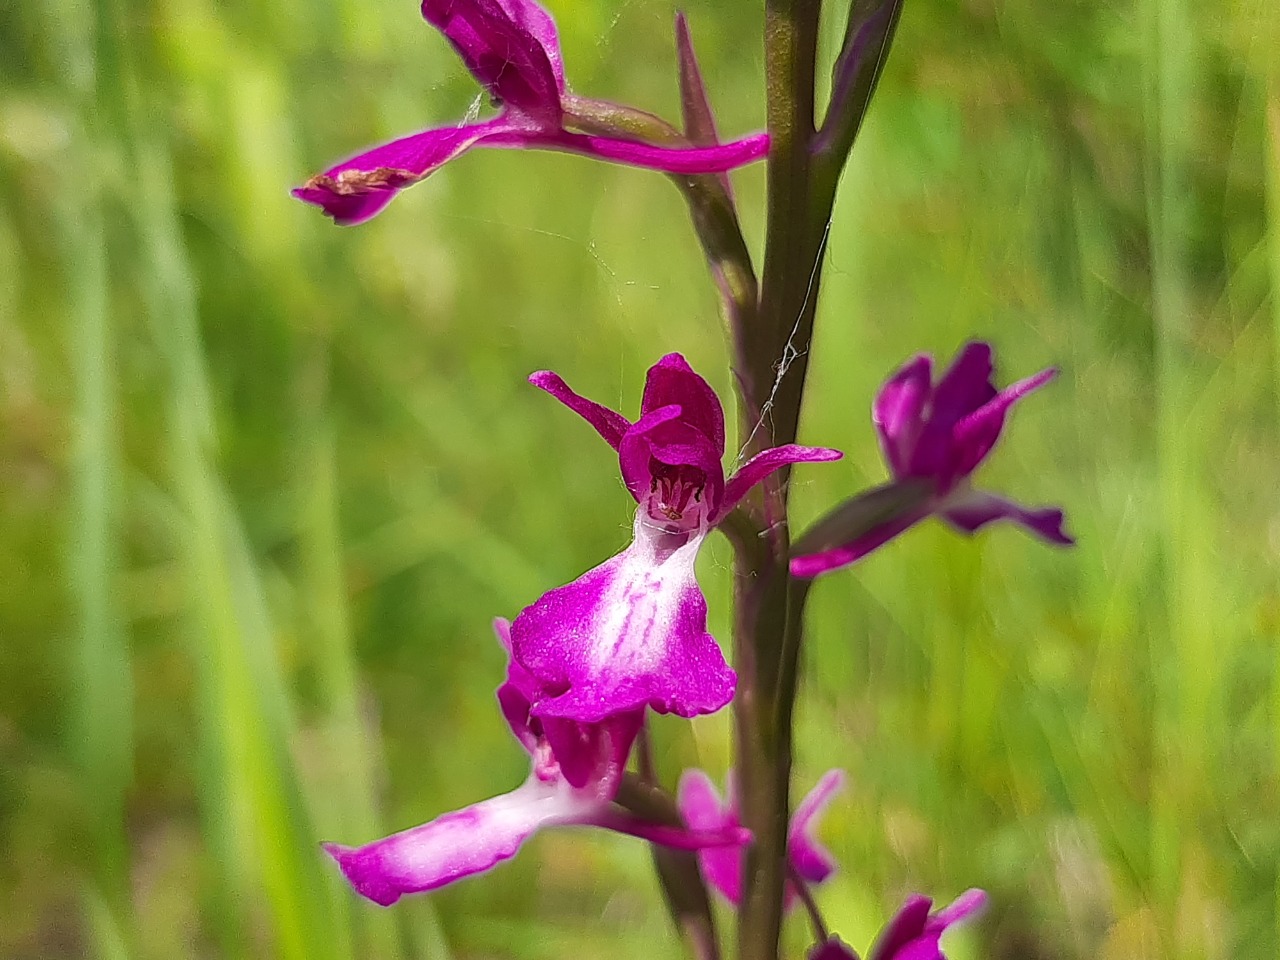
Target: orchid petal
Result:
[[514, 704], [898, 409], [699, 803], [672, 380], [964, 387], [679, 444], [813, 564], [359, 188], [509, 46], [516, 693], [976, 433], [728, 836], [862, 513], [634, 451], [582, 753], [676, 443], [813, 862], [765, 463], [356, 190], [681, 160], [915, 934], [609, 424], [542, 27], [593, 753], [968, 904], [460, 843], [970, 510], [631, 632], [701, 809], [906, 925]]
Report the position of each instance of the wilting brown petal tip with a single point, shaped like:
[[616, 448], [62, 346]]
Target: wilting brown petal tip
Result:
[[353, 182]]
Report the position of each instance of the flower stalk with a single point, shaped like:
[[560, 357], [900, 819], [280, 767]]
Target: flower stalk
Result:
[[771, 366], [804, 167]]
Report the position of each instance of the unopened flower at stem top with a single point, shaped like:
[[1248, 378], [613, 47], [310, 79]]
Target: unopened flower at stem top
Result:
[[933, 436], [633, 631], [511, 48], [913, 934], [574, 776], [702, 809]]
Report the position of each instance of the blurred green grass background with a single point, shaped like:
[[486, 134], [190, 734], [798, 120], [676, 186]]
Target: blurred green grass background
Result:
[[266, 481]]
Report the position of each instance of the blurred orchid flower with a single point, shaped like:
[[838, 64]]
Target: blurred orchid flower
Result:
[[913, 934], [574, 776], [933, 436], [633, 631], [511, 48], [702, 810]]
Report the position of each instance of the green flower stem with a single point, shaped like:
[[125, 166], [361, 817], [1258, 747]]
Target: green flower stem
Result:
[[803, 173], [771, 366]]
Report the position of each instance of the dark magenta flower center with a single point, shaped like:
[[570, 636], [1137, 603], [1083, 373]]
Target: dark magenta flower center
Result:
[[675, 492]]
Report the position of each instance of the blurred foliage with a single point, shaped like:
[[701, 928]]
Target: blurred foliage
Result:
[[266, 481]]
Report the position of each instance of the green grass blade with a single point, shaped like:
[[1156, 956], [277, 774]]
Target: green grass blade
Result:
[[1271, 153], [103, 739], [345, 808], [102, 734], [251, 795], [1188, 654]]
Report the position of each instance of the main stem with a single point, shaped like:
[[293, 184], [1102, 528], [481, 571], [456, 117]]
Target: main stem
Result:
[[770, 370]]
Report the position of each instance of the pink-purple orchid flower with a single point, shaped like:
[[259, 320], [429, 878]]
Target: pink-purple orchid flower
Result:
[[935, 435], [913, 934], [633, 631], [511, 48], [574, 776], [703, 811]]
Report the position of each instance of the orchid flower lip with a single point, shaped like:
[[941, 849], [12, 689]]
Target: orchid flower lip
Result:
[[629, 633]]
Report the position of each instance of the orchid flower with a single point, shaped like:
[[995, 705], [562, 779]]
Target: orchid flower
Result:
[[913, 934], [574, 776], [511, 48], [701, 809], [633, 631], [933, 436]]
